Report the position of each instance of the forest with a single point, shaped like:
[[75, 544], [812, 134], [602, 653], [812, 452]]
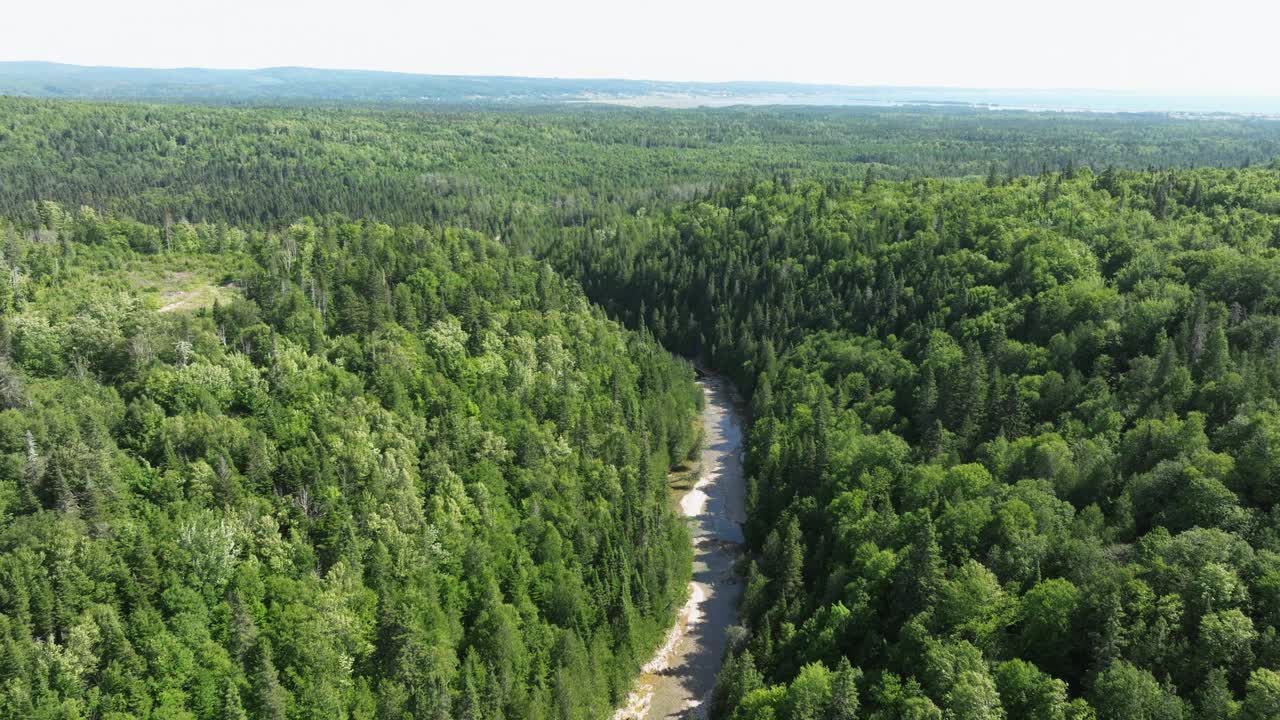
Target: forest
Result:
[[1014, 443], [400, 473], [520, 174], [317, 412]]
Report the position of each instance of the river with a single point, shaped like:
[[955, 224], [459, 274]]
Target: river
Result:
[[677, 681]]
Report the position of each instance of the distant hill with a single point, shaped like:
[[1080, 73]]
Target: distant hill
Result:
[[309, 85], [41, 79]]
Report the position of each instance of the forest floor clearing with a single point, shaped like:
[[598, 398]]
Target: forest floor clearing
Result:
[[194, 296], [168, 284]]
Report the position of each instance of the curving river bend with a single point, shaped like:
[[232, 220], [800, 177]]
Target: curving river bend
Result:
[[677, 682]]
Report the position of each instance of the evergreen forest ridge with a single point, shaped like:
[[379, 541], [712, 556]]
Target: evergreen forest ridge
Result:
[[343, 410]]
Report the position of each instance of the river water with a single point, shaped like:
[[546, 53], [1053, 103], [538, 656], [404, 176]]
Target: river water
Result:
[[677, 681]]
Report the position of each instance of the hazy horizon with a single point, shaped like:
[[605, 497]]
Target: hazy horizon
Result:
[[692, 81], [1148, 47]]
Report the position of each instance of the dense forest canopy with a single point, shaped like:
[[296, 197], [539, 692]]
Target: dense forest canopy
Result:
[[521, 174], [298, 420], [402, 473], [1014, 450]]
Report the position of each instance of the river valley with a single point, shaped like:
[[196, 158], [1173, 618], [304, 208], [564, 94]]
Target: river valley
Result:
[[677, 681]]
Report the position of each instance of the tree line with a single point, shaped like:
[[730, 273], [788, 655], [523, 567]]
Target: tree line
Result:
[[522, 173]]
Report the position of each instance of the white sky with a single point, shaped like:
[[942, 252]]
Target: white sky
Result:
[[1209, 47]]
